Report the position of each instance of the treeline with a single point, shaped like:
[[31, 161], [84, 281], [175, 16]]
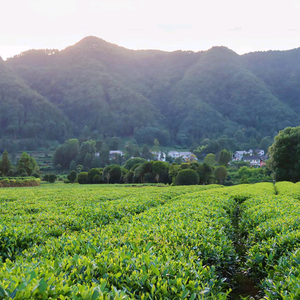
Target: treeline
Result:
[[25, 166], [76, 154], [89, 154], [139, 170]]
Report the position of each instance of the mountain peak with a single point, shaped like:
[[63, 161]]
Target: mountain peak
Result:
[[91, 39]]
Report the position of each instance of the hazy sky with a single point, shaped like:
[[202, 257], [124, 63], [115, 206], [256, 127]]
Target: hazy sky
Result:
[[242, 25]]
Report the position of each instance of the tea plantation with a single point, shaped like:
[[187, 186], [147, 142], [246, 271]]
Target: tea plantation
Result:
[[149, 242]]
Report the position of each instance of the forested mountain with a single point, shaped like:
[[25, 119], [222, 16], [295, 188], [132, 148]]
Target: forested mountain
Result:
[[25, 113], [182, 96]]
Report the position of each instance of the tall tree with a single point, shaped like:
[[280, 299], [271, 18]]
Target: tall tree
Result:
[[225, 157], [210, 159], [220, 174], [5, 163], [285, 155], [27, 163]]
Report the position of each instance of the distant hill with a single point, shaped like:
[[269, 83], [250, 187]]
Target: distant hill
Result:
[[26, 114], [115, 91]]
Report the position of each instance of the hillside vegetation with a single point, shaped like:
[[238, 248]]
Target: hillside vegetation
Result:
[[114, 91]]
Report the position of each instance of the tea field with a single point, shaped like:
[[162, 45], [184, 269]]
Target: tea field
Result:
[[148, 242]]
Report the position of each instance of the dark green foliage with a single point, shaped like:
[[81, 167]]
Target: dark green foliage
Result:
[[66, 153], [112, 174], [27, 163], [225, 157], [184, 166], [285, 155], [72, 176], [92, 173], [115, 174], [87, 150], [146, 154], [98, 178], [82, 178], [220, 174], [113, 143], [210, 159], [265, 143], [50, 178], [146, 135], [5, 164], [205, 172], [73, 165], [149, 178], [104, 155], [87, 161], [173, 171], [187, 177], [129, 177], [26, 114], [164, 177], [158, 168], [133, 161], [35, 174]]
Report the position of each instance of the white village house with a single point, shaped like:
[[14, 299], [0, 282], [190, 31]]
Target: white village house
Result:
[[257, 160], [159, 155], [240, 155], [185, 155]]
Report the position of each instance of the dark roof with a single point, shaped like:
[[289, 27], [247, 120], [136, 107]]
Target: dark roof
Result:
[[251, 157]]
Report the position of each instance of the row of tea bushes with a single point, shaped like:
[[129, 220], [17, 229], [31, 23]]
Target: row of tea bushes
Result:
[[176, 250], [112, 242], [34, 217], [273, 227]]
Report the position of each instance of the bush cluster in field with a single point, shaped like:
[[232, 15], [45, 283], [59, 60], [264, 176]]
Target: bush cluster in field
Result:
[[19, 182]]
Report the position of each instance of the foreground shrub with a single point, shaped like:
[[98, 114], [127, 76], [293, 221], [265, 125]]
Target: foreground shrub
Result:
[[97, 179], [129, 177], [82, 177], [92, 173], [50, 178], [19, 182], [187, 177], [72, 176]]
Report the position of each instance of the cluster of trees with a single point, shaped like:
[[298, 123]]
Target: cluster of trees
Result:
[[140, 170], [240, 172], [241, 140], [72, 153], [26, 166]]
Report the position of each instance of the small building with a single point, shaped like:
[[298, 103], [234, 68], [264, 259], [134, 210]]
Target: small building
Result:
[[239, 155], [186, 156], [254, 160], [159, 155], [114, 153]]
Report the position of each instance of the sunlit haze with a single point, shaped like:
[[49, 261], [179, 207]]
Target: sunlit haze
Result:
[[241, 25]]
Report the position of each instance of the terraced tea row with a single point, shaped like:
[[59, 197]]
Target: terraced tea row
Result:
[[146, 243], [33, 219], [273, 224]]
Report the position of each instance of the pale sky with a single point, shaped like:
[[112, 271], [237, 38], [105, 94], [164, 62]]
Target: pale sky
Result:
[[241, 25]]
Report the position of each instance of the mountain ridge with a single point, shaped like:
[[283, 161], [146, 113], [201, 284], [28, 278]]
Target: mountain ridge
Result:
[[116, 91]]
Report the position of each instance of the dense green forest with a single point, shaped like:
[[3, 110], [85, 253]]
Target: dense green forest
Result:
[[96, 89]]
